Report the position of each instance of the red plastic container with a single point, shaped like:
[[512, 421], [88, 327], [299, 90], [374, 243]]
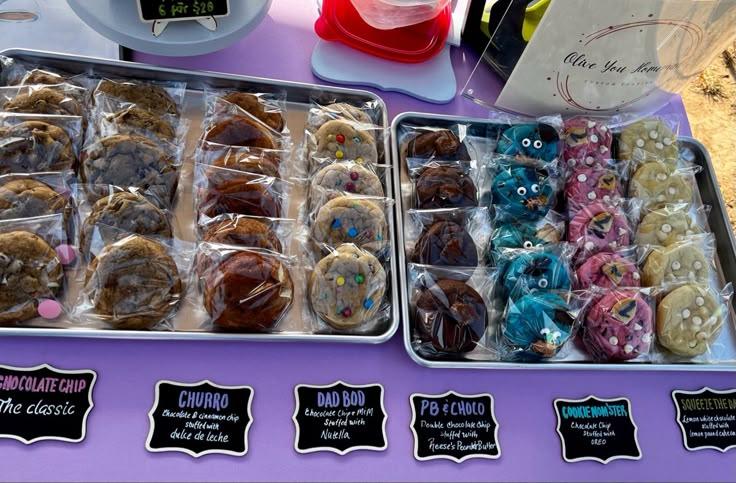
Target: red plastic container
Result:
[[341, 22]]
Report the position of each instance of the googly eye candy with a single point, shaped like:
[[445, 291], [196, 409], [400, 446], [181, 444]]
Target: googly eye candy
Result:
[[521, 191], [538, 144], [526, 142]]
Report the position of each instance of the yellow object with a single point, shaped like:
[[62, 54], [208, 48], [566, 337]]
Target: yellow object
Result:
[[340, 281], [532, 18], [339, 154]]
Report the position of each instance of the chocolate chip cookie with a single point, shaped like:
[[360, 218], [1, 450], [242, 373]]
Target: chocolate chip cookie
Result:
[[347, 287], [28, 198], [121, 214], [146, 96], [134, 120], [30, 272], [266, 163], [130, 161], [46, 101], [134, 284], [243, 232], [34, 146]]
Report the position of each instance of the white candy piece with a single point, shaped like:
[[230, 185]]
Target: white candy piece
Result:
[[691, 275], [676, 265], [697, 320], [646, 338], [604, 128], [701, 336], [606, 198], [628, 348], [636, 276], [659, 146], [685, 314], [666, 228], [671, 190], [613, 340], [640, 143], [591, 124], [604, 150], [697, 265], [699, 301], [589, 160], [589, 245], [661, 177], [571, 162], [591, 196], [593, 138], [582, 178], [653, 134], [638, 327], [667, 141]]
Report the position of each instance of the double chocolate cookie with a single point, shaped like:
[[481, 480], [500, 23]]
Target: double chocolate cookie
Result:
[[243, 232], [258, 109], [439, 144], [445, 243], [134, 120], [240, 131], [150, 97], [452, 315], [445, 187]]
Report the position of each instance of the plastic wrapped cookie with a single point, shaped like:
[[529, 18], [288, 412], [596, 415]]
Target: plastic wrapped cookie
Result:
[[347, 287], [689, 319], [242, 131], [150, 97], [445, 243], [587, 185], [337, 140], [437, 144], [445, 187], [347, 219], [532, 141], [646, 139], [537, 325], [683, 261], [666, 226], [35, 146], [655, 180], [31, 272], [523, 191], [319, 115], [599, 227], [587, 142], [619, 326], [27, 198], [526, 235], [536, 269], [608, 270], [452, 315], [347, 177]]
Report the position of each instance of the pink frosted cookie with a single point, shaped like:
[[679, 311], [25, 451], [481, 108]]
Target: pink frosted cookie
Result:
[[608, 270], [587, 142], [599, 227], [618, 327], [592, 184]]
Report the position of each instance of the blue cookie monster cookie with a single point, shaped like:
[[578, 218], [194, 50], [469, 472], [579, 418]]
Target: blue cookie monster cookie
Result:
[[537, 325], [521, 235], [522, 191], [538, 270], [536, 141]]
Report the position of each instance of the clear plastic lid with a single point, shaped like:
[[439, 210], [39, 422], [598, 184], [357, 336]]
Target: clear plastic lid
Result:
[[391, 14], [341, 21]]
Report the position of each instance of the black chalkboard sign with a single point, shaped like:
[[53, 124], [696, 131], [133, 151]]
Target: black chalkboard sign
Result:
[[339, 418], [200, 418], [454, 426], [707, 418], [172, 10], [43, 402], [596, 429]]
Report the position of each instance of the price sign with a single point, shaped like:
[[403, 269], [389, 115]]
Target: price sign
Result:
[[161, 12], [201, 418], [596, 429], [454, 426], [707, 418], [43, 402], [339, 418]]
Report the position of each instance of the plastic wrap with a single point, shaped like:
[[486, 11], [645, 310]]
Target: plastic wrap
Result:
[[136, 283], [547, 268], [588, 142], [670, 223], [595, 183], [392, 14], [657, 182], [524, 138], [513, 233], [444, 184], [691, 260], [599, 227], [346, 291], [451, 309], [449, 237], [523, 189], [642, 140], [344, 178], [163, 98], [268, 162], [272, 234], [245, 289], [36, 146], [428, 143], [36, 194], [268, 107], [56, 100], [609, 270], [232, 126]]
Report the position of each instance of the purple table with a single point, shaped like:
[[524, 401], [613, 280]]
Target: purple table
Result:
[[128, 371]]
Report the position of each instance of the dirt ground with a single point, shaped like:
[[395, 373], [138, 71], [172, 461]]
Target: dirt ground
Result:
[[710, 101]]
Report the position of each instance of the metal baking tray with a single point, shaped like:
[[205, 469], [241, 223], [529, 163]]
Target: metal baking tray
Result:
[[718, 222], [298, 99]]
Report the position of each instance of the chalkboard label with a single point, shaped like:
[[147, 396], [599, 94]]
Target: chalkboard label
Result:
[[454, 426], [200, 418], [707, 418], [43, 402], [596, 429], [339, 418], [172, 10]]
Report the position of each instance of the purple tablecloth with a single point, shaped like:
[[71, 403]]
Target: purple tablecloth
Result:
[[128, 370]]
